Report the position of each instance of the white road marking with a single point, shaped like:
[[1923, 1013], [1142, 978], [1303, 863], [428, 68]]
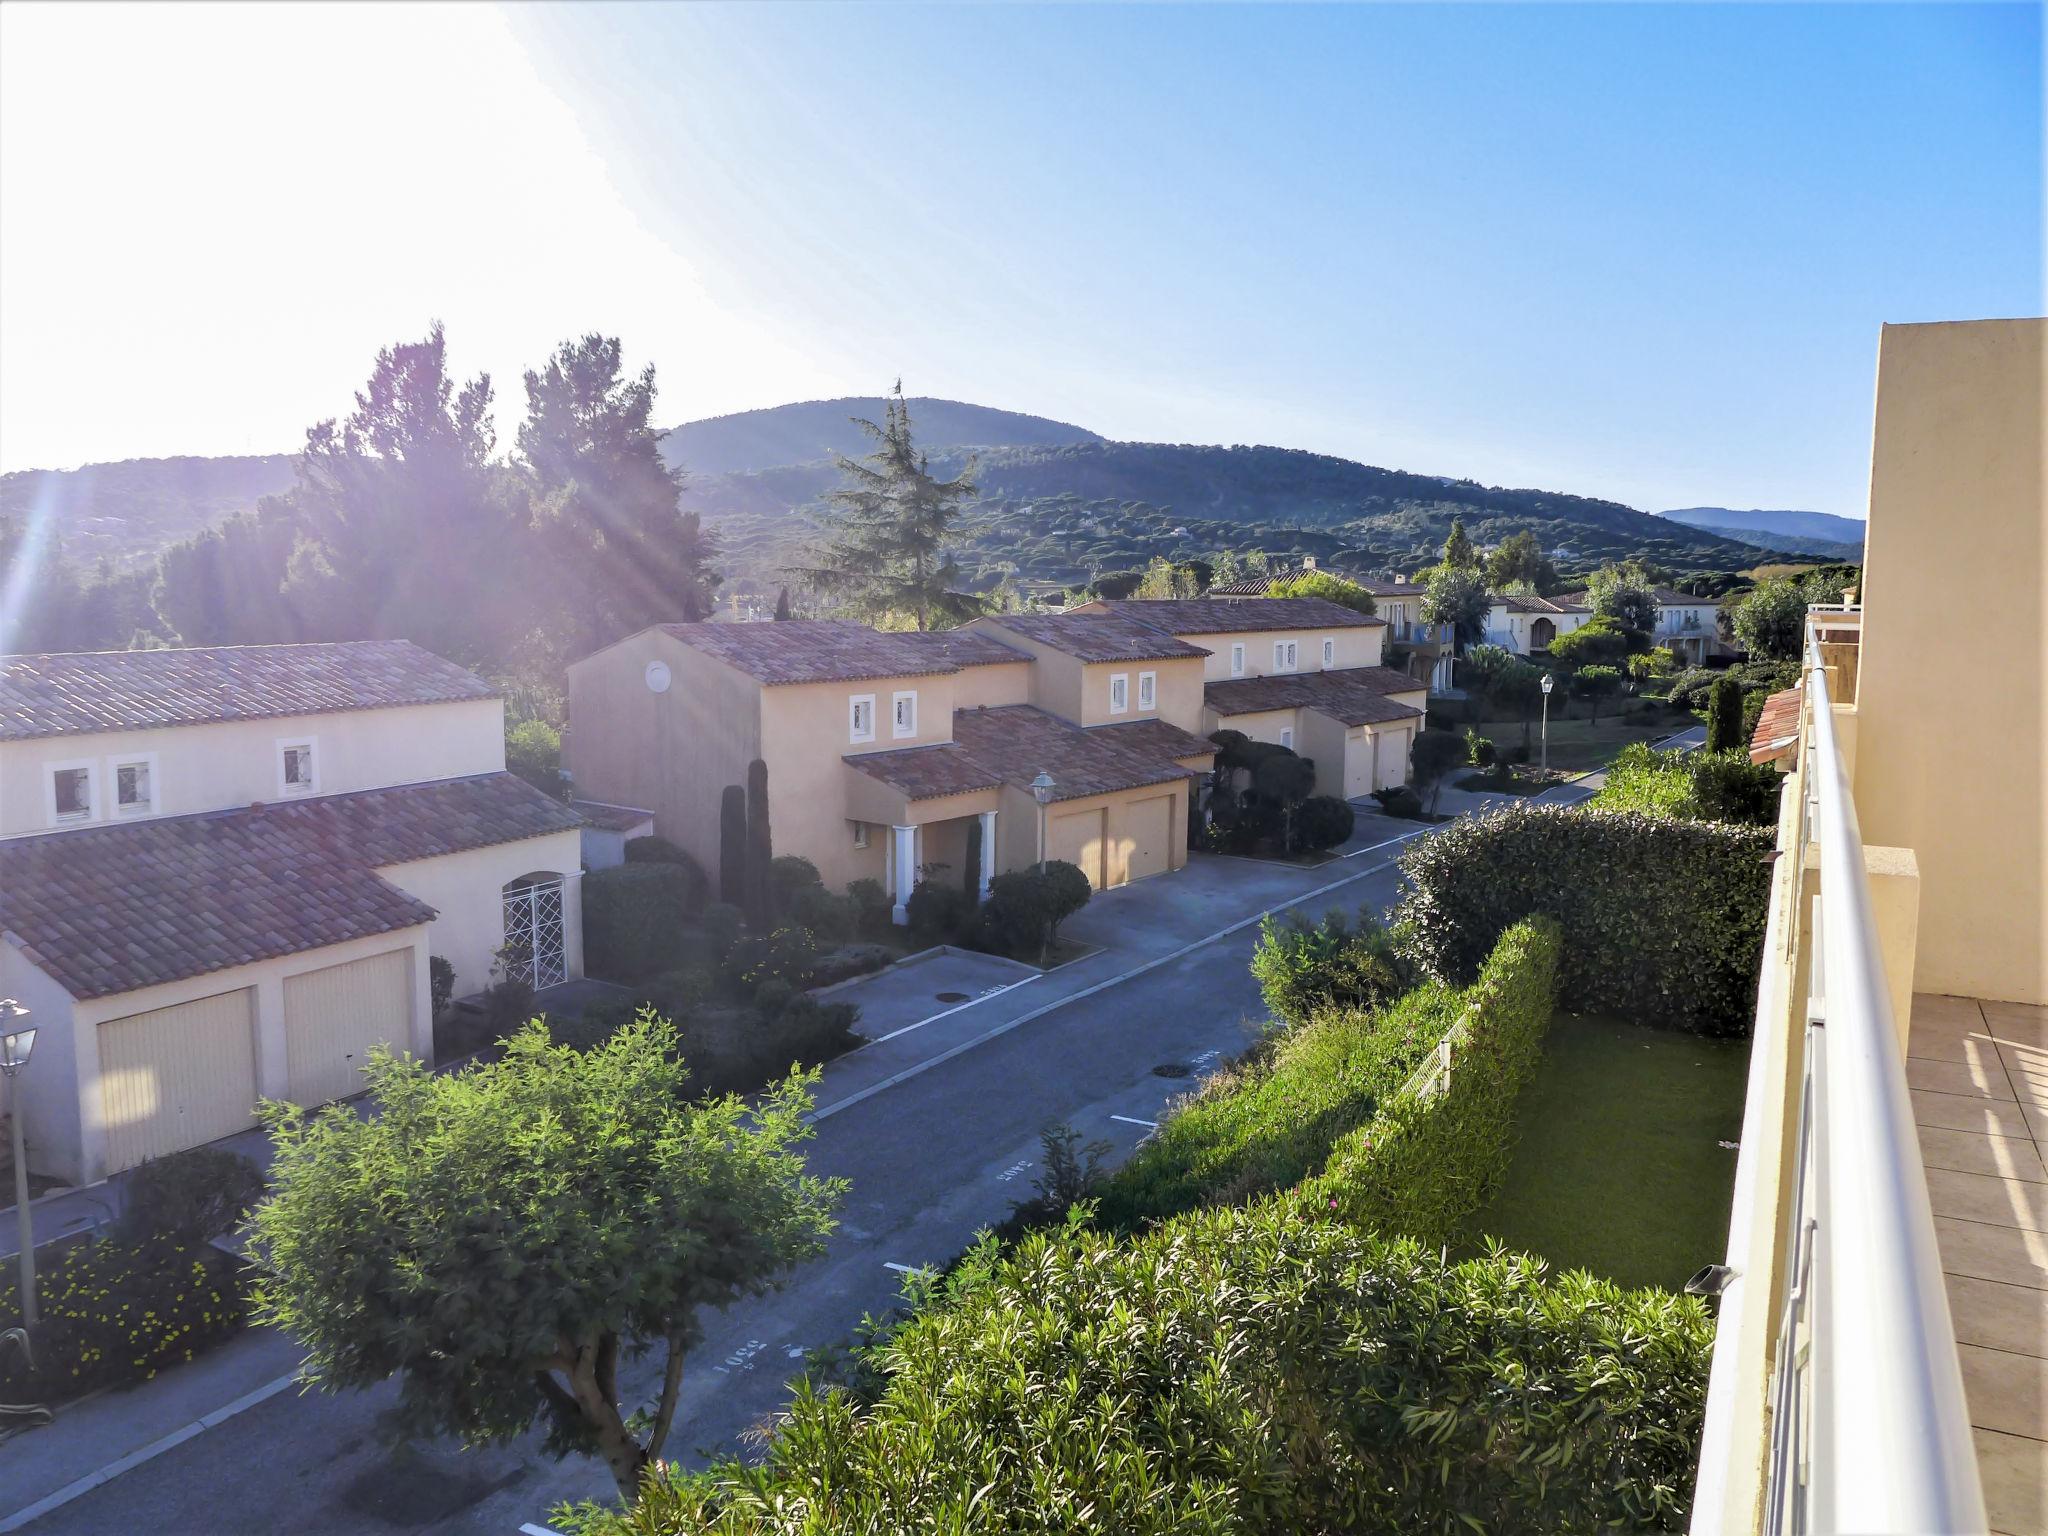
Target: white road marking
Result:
[[944, 1013], [1376, 847], [1133, 1120], [530, 1529], [902, 1269]]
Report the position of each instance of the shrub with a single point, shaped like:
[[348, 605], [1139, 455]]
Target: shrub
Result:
[[1399, 801], [831, 918], [1434, 754], [847, 962], [1663, 920], [440, 983], [190, 1197], [1323, 822], [533, 752], [722, 923], [1724, 716], [1305, 968], [1479, 750], [115, 1313], [788, 874], [1066, 892], [1437, 1153], [782, 954], [872, 902], [634, 916], [1693, 786], [1235, 1372], [773, 995], [940, 912]]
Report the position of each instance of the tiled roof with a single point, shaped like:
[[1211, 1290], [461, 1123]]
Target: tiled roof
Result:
[[1256, 586], [1564, 602], [610, 818], [814, 650], [1010, 744], [1097, 636], [968, 647], [1354, 696], [1668, 597], [1777, 728], [1226, 615], [57, 694], [108, 909]]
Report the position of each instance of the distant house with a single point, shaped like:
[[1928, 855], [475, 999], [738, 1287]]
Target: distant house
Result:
[[223, 872], [1399, 602], [1689, 625], [1528, 625]]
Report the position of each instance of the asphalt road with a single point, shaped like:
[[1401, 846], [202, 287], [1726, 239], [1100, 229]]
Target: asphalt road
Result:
[[930, 1160]]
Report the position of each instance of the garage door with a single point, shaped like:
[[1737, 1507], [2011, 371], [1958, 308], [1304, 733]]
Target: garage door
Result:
[[1361, 761], [333, 1016], [176, 1077], [1077, 838], [1393, 757], [1151, 836]]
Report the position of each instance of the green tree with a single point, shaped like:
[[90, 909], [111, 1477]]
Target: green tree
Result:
[[533, 751], [1594, 684], [1770, 621], [1625, 594], [1518, 688], [1434, 755], [500, 1237], [1724, 715], [1164, 579], [224, 586], [1599, 642], [1660, 661], [1456, 596], [1479, 669], [758, 892], [782, 612], [889, 543], [1458, 551], [1520, 558], [1329, 587], [607, 507]]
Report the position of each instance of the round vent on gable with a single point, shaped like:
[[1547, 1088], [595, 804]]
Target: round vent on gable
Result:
[[657, 677]]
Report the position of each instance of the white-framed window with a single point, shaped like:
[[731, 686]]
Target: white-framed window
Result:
[[134, 784], [903, 722], [1148, 690], [1286, 655], [1287, 737], [1119, 692], [860, 834], [1237, 659], [71, 793], [860, 717], [298, 772], [1329, 652]]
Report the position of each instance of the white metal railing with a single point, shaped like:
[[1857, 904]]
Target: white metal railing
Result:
[[1868, 1426]]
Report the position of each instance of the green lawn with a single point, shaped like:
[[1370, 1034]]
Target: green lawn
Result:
[[1577, 745], [1620, 1167]]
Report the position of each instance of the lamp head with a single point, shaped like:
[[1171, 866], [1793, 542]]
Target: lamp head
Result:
[[1547, 682], [1042, 788], [15, 1042]]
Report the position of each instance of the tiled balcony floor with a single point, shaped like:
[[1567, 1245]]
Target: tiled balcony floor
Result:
[[1979, 1076]]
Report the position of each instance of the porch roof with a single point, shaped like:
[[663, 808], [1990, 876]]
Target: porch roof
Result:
[[1012, 743], [1351, 696]]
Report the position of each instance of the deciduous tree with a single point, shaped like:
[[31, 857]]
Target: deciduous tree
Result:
[[1770, 622], [1330, 587], [1455, 595], [503, 1237], [1625, 594], [1520, 558], [1594, 684]]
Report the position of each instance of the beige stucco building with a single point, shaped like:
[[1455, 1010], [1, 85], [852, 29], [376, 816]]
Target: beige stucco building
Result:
[[886, 750], [223, 872]]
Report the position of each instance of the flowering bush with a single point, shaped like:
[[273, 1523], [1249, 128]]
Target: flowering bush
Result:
[[115, 1313]]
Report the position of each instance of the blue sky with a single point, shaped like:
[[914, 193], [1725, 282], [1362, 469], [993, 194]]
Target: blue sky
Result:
[[1632, 251]]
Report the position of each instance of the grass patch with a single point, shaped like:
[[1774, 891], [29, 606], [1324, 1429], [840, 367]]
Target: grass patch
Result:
[[1620, 1169], [1579, 745]]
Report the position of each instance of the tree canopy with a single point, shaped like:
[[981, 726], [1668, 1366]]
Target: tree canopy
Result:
[[501, 1237], [1328, 586], [1770, 622], [1626, 594], [1457, 596], [1520, 558], [1458, 551]]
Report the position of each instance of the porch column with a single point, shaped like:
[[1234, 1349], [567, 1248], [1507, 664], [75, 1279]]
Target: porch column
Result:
[[906, 870], [988, 850]]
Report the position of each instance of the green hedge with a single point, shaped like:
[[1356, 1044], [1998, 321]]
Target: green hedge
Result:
[[1235, 1373], [1434, 1155], [115, 1313], [634, 916], [1663, 920], [1269, 1122], [1692, 786]]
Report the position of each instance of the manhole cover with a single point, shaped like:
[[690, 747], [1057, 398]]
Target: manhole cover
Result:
[[952, 997], [1172, 1069]]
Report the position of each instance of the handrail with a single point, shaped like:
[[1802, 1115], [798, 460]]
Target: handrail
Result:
[[1892, 1445]]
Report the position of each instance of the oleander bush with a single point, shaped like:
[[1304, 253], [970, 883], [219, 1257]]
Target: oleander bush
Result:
[[1437, 1152], [635, 916], [1663, 920], [1304, 968], [115, 1313], [1234, 1373]]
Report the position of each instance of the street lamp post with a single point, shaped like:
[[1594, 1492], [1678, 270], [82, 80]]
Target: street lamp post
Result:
[[15, 1045], [1547, 684], [1041, 791]]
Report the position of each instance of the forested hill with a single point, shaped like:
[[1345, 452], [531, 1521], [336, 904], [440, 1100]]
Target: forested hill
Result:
[[1815, 533], [128, 512], [811, 431]]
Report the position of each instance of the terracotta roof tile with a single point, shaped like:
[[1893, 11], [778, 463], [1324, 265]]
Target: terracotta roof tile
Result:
[[1225, 615], [610, 818], [968, 647], [1010, 744], [927, 773], [1097, 636], [56, 694], [1777, 728], [1353, 696], [814, 650], [108, 909], [1256, 586]]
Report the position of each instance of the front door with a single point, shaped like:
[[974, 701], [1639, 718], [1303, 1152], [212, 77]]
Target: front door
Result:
[[535, 949]]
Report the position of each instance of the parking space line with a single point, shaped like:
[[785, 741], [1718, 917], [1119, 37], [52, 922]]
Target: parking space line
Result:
[[1134, 1120], [1010, 986]]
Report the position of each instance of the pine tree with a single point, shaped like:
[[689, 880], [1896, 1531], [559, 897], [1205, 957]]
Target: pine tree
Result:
[[1458, 551], [887, 551]]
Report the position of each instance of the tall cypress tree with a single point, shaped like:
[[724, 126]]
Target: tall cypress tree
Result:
[[1724, 715], [1458, 551], [732, 845], [888, 537], [760, 894]]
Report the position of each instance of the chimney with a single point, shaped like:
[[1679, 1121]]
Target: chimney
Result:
[[1308, 562]]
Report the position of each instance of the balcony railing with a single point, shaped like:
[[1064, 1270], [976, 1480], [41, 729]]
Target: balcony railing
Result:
[[1836, 1401]]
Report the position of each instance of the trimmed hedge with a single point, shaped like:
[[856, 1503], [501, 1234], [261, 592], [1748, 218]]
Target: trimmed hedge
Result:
[[1663, 920], [1237, 1373], [1270, 1121], [1437, 1153], [1693, 786], [634, 916]]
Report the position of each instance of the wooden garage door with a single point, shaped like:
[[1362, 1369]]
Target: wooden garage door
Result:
[[1151, 836], [176, 1077], [1393, 757], [333, 1016], [1077, 838]]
